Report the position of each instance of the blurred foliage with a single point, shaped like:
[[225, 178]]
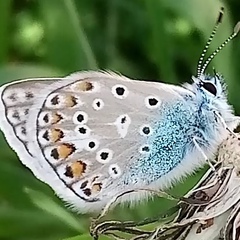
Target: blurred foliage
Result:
[[145, 39]]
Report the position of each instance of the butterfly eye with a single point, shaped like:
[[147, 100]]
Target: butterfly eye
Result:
[[210, 87]]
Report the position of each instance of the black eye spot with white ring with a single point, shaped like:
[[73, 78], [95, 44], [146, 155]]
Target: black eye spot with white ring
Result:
[[83, 131], [80, 117], [152, 102], [114, 171], [92, 145], [120, 91], [210, 87], [104, 155], [144, 149], [145, 130], [98, 104]]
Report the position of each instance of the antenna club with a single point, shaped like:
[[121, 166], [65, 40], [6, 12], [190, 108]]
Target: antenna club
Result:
[[220, 15], [236, 28]]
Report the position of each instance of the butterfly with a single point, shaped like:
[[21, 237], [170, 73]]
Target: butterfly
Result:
[[95, 135]]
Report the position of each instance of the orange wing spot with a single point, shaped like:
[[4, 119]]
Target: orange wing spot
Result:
[[76, 169], [70, 101], [56, 135], [65, 150], [96, 188], [56, 118], [84, 86]]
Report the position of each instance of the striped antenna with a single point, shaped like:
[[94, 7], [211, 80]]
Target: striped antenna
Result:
[[218, 22], [210, 58]]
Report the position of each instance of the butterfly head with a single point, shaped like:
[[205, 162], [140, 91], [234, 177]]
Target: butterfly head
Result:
[[210, 86]]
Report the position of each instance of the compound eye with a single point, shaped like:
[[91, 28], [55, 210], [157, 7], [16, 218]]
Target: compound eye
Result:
[[210, 87]]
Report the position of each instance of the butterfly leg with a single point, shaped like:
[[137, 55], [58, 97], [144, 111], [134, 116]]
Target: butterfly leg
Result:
[[218, 175], [195, 139], [225, 125]]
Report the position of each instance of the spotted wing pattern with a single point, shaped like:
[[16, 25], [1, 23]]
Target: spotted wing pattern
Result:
[[78, 133]]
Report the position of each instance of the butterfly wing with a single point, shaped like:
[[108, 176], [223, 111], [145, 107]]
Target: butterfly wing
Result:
[[79, 133]]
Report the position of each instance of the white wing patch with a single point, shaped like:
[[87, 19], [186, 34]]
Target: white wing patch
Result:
[[122, 124]]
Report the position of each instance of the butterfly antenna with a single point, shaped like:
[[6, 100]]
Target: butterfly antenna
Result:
[[218, 22], [210, 58]]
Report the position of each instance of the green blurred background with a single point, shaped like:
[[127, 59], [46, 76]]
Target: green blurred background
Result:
[[144, 39]]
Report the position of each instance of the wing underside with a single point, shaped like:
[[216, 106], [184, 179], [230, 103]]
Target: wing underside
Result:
[[77, 133]]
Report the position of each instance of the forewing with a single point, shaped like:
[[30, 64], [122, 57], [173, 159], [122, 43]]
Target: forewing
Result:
[[77, 133]]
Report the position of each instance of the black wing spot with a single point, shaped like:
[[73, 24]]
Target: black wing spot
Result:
[[104, 155], [120, 91], [153, 101], [82, 130]]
